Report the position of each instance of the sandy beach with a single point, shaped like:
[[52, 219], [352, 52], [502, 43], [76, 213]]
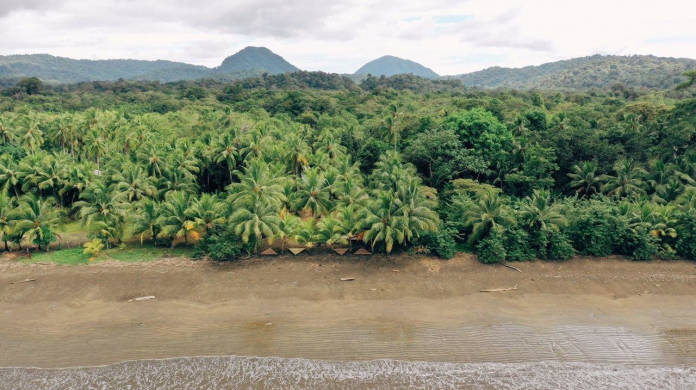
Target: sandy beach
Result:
[[607, 310]]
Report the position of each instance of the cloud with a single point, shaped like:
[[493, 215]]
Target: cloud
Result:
[[341, 35], [8, 6]]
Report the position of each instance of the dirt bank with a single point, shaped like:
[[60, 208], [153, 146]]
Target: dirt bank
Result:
[[398, 307]]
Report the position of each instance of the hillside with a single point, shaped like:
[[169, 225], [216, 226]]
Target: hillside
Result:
[[250, 61], [65, 70], [390, 66], [256, 58], [587, 72]]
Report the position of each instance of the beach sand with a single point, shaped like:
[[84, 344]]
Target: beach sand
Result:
[[608, 310]]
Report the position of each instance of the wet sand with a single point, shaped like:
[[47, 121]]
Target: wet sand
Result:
[[608, 311]]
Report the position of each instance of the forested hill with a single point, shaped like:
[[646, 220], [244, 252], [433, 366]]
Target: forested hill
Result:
[[597, 71], [256, 58], [587, 72], [390, 66], [247, 62], [66, 70]]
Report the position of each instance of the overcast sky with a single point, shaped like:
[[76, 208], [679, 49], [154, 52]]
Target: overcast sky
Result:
[[340, 35]]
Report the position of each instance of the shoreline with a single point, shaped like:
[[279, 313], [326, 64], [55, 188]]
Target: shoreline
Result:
[[600, 311]]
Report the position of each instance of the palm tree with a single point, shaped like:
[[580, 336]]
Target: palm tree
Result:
[[418, 204], [132, 184], [102, 212], [97, 204], [9, 174], [47, 175], [64, 132], [627, 182], [313, 193], [257, 186], [225, 150], [256, 220], [184, 164], [296, 153], [487, 214], [174, 216], [147, 220], [660, 174], [37, 218], [341, 226], [390, 170], [687, 200], [540, 214], [6, 136], [32, 137], [584, 178], [207, 212], [7, 206], [384, 221]]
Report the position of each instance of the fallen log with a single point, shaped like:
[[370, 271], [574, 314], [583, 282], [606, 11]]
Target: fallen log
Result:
[[511, 267], [24, 281], [138, 299], [499, 289]]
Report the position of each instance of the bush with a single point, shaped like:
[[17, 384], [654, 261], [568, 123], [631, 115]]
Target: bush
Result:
[[638, 244], [593, 231], [559, 247], [491, 249], [93, 248], [686, 236], [46, 238], [440, 242], [516, 244], [221, 245]]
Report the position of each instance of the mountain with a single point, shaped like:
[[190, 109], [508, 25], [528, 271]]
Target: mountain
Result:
[[579, 73], [250, 61], [390, 66], [256, 59], [586, 72], [66, 70]]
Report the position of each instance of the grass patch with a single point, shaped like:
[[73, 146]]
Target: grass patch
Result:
[[71, 227], [74, 256], [145, 253]]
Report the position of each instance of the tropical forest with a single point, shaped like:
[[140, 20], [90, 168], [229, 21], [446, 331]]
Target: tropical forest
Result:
[[388, 165]]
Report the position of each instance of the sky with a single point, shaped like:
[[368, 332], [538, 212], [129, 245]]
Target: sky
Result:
[[450, 37]]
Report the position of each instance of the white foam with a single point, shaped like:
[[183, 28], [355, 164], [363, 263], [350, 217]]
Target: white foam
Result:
[[287, 373]]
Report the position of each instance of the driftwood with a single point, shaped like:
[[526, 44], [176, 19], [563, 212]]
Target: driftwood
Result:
[[511, 267], [24, 281], [499, 289], [347, 279], [138, 299]]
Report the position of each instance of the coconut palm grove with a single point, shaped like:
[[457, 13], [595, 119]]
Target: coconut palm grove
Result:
[[315, 160]]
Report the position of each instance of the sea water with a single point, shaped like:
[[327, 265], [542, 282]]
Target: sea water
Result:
[[231, 372]]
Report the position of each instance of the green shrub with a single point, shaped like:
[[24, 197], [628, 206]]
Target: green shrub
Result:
[[637, 244], [686, 236], [592, 231], [440, 242], [491, 249], [559, 247], [45, 238], [516, 244], [221, 245]]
